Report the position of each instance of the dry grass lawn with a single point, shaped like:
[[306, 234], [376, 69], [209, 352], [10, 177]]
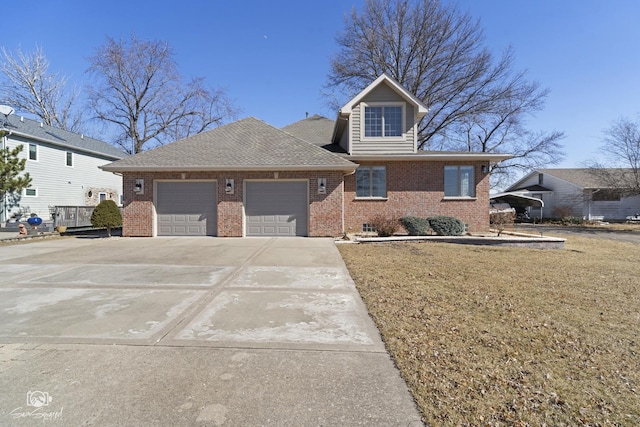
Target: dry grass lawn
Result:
[[505, 336]]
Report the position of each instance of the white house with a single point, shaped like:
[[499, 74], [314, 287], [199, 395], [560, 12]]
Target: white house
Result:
[[64, 168], [575, 192]]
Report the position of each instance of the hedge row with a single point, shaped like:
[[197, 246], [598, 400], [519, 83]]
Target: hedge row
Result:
[[442, 225]]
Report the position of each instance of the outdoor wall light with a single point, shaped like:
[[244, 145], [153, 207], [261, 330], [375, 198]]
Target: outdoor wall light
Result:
[[139, 186], [322, 185], [229, 186], [484, 169]]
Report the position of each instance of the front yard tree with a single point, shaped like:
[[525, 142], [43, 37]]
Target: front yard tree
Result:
[[620, 168], [106, 215], [28, 86], [11, 168], [477, 102], [140, 92]]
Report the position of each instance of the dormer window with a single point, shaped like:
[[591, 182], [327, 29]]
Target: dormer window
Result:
[[383, 121]]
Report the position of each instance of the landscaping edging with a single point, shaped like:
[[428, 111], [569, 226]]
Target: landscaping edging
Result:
[[521, 240]]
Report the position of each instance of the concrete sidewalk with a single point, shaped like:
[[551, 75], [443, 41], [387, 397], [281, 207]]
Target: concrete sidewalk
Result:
[[190, 331]]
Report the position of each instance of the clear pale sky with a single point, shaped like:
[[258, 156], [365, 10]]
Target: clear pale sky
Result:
[[273, 56]]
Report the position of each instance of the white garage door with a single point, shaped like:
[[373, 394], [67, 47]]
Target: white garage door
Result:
[[186, 208], [277, 208]]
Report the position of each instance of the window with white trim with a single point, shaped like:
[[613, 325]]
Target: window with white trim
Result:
[[69, 158], [459, 181], [33, 152], [30, 192], [371, 181], [382, 121]]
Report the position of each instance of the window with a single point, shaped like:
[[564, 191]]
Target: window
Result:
[[31, 192], [368, 228], [606, 195], [33, 152], [69, 158], [382, 121], [102, 196], [458, 181], [371, 181], [540, 179]]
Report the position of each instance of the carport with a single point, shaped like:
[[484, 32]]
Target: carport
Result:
[[518, 201]]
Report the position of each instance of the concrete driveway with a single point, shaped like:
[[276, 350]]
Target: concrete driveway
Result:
[[190, 331]]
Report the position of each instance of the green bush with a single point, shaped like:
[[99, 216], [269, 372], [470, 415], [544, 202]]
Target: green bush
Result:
[[572, 220], [446, 225], [106, 215], [384, 226], [415, 226]]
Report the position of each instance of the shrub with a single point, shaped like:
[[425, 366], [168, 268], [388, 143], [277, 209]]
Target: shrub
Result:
[[106, 214], [446, 225], [500, 220], [415, 226], [572, 220], [384, 226]]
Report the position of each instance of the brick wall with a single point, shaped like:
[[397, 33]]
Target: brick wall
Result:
[[325, 210], [417, 189]]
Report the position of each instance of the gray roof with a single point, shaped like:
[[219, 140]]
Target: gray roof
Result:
[[32, 129], [586, 177], [315, 129], [248, 144]]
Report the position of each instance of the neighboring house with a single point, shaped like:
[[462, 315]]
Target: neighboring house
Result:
[[315, 177], [575, 192], [64, 169]]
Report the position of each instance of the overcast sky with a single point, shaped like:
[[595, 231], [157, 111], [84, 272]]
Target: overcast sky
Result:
[[273, 56]]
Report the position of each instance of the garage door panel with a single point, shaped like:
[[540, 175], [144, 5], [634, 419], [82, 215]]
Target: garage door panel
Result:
[[276, 208], [186, 208]]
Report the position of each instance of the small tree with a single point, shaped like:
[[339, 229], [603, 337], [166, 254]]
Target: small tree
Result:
[[106, 214], [11, 166]]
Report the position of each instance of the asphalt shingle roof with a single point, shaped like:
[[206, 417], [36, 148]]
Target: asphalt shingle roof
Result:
[[248, 144], [585, 177], [315, 129], [55, 136]]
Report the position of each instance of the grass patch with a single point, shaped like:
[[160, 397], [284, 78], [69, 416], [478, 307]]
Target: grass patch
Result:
[[506, 336]]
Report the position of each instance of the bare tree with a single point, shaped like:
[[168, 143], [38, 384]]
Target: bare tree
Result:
[[30, 88], [620, 168], [476, 101], [141, 92]]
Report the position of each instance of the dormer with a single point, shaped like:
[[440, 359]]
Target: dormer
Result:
[[382, 119]]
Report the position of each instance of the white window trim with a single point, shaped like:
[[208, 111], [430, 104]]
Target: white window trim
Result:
[[29, 195], [29, 152], [402, 137], [72, 159]]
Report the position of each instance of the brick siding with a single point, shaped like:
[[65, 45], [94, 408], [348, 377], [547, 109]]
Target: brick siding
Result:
[[417, 189], [325, 210], [413, 188]]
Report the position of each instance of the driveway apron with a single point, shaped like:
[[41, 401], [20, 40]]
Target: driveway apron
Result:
[[190, 331]]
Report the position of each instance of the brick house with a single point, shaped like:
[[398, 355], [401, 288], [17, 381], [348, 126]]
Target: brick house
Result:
[[316, 177]]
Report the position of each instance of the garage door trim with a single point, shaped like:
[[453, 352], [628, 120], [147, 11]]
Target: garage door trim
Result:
[[155, 198], [244, 199]]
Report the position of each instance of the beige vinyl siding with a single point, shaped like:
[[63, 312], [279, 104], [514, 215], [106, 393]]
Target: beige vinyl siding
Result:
[[59, 184], [383, 94]]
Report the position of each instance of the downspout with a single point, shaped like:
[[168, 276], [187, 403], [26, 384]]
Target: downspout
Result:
[[344, 232]]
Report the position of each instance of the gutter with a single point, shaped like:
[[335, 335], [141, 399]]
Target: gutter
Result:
[[235, 168]]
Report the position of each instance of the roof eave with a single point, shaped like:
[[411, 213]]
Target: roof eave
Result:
[[280, 168], [431, 157], [62, 144]]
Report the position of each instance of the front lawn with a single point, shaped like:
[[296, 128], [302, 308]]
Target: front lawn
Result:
[[504, 336]]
